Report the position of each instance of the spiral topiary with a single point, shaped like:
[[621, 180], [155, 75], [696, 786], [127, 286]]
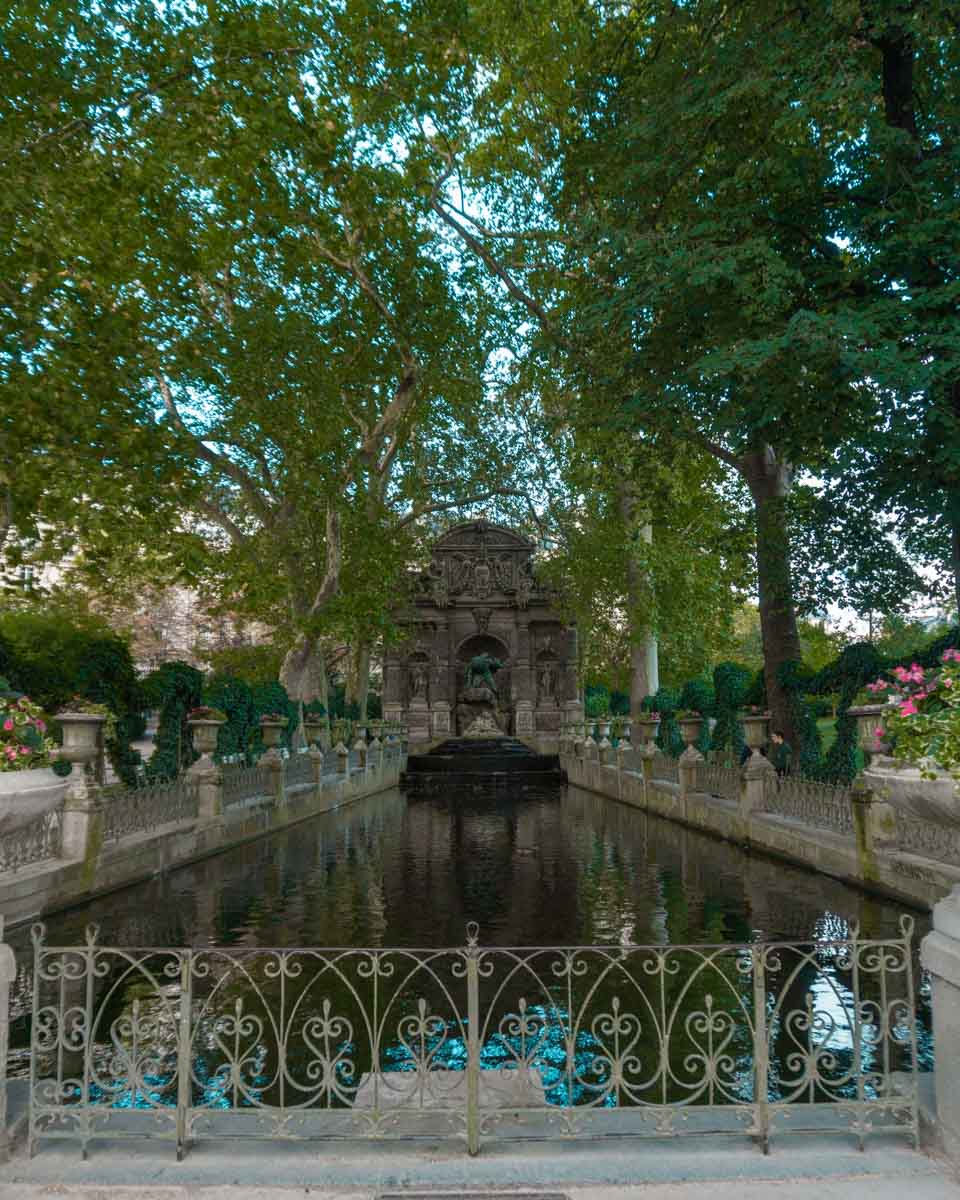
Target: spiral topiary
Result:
[[730, 684]]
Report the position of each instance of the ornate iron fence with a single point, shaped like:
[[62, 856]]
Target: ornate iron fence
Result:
[[214, 1042], [823, 805], [243, 783], [36, 841], [299, 770], [940, 842], [667, 768], [718, 779], [141, 809]]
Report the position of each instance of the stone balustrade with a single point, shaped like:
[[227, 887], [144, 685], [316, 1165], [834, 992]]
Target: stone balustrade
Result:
[[104, 839]]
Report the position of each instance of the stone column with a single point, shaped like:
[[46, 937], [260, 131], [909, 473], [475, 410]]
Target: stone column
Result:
[[874, 825], [316, 766], [207, 778], [343, 760], [940, 955], [523, 668], [360, 746]]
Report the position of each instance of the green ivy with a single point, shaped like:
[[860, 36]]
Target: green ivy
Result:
[[176, 687], [808, 753], [235, 697], [855, 667]]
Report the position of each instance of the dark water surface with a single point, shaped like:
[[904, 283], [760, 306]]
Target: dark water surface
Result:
[[557, 868]]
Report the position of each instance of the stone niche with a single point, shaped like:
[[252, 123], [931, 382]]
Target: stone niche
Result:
[[480, 596]]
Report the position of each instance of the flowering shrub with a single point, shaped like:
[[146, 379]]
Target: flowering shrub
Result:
[[923, 714], [24, 741]]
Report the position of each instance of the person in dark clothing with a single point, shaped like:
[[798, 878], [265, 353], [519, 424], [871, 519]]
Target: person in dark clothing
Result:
[[780, 752], [745, 753]]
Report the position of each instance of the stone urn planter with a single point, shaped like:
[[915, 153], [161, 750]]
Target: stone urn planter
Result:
[[690, 728], [26, 795], [272, 732], [313, 729], [205, 731], [869, 718], [755, 727], [648, 728], [903, 787]]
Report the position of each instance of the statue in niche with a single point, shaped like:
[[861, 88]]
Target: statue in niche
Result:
[[418, 681], [548, 681], [441, 595]]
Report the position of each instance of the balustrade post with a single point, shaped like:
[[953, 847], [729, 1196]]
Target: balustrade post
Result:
[[207, 780], [375, 752], [343, 759], [472, 955], [687, 770], [940, 955], [8, 973], [874, 824], [761, 1050], [754, 780], [648, 752], [206, 775], [360, 746], [315, 755]]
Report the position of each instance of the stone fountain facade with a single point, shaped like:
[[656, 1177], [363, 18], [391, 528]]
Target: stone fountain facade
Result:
[[484, 645]]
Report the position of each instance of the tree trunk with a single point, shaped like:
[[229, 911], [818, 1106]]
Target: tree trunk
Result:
[[955, 559], [769, 481], [303, 674], [358, 678], [644, 664]]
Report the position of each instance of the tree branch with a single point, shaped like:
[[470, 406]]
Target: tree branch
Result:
[[229, 468], [439, 506], [495, 267]]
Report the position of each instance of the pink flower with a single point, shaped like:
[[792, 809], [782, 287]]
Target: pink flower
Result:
[[908, 709], [878, 732], [951, 656], [24, 749], [947, 681], [8, 724], [41, 725]]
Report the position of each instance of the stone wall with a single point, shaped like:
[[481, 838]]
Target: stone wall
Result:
[[858, 857]]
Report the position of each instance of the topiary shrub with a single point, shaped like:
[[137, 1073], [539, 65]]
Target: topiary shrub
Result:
[[666, 702], [853, 669], [176, 688], [731, 683], [272, 698], [235, 698]]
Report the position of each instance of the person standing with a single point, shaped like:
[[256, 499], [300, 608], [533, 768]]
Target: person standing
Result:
[[780, 753]]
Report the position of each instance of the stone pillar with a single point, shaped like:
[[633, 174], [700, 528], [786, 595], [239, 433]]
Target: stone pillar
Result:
[[754, 779], [523, 681], [571, 691], [605, 751], [375, 754], [343, 760], [940, 955], [316, 765], [874, 825], [440, 718], [688, 769], [8, 973], [360, 746], [523, 719], [207, 778]]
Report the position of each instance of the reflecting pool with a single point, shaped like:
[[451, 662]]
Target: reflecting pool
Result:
[[549, 868]]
